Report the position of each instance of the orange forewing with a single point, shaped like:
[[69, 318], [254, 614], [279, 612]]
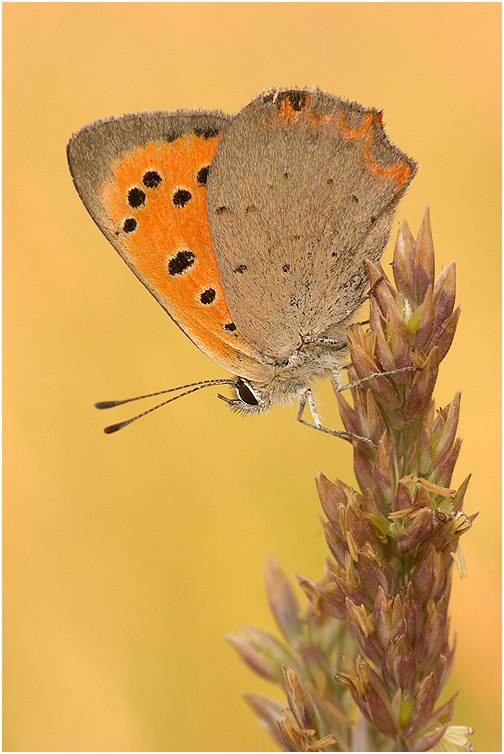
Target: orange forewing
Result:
[[169, 224]]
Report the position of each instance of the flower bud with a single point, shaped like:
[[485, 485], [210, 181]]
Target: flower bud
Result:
[[283, 603]]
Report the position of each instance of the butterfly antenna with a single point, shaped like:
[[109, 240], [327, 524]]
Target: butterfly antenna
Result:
[[194, 386], [111, 404]]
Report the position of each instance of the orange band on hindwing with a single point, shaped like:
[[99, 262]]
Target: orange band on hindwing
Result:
[[397, 173], [294, 106]]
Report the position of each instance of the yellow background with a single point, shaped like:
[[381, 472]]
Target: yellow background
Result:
[[128, 557]]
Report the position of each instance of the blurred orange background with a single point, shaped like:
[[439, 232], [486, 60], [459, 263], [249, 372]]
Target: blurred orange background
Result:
[[128, 557]]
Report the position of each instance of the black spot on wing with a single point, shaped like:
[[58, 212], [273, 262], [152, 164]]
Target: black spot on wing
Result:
[[207, 132], [151, 179], [181, 262], [136, 197], [171, 136], [129, 225], [181, 197], [297, 99], [207, 296], [202, 175]]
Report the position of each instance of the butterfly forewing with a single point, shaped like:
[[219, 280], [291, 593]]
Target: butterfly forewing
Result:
[[143, 179]]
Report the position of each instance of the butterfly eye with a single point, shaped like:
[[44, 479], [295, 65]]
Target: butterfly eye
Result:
[[245, 393]]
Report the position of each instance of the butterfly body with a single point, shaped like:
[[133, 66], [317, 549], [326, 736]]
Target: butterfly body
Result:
[[250, 230]]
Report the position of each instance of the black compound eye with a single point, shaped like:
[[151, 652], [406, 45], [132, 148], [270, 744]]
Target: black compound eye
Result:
[[246, 393]]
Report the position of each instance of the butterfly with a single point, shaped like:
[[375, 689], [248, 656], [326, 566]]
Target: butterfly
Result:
[[251, 230]]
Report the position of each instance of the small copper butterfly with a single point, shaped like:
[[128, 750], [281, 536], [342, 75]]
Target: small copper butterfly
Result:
[[250, 230]]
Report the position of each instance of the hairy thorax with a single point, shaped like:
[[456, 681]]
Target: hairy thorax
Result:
[[285, 381]]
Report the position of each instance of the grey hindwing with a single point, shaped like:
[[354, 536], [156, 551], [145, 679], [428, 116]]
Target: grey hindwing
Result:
[[294, 210]]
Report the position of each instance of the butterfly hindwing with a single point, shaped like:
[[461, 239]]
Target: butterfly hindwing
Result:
[[143, 179], [302, 190]]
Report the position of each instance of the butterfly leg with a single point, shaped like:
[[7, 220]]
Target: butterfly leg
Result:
[[339, 387], [307, 397]]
